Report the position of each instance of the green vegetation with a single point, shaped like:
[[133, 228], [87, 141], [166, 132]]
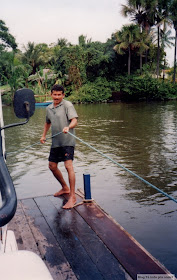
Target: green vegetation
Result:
[[132, 62]]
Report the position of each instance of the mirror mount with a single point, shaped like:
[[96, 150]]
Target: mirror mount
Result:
[[27, 106], [24, 106]]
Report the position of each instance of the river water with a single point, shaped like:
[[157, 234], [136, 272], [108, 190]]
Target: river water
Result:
[[139, 136]]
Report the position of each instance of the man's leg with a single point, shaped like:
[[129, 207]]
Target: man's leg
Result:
[[53, 166], [72, 180]]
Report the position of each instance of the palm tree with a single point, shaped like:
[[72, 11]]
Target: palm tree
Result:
[[33, 55], [62, 42], [161, 18], [143, 44], [166, 41], [148, 13], [135, 10], [127, 39], [141, 12], [174, 74], [173, 17]]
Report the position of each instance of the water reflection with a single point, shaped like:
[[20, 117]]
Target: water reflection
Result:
[[142, 137]]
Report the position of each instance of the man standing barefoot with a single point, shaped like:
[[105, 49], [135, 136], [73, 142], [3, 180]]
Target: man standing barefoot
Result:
[[61, 116]]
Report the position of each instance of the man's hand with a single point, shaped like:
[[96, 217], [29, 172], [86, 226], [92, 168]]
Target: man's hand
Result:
[[66, 129], [72, 124], [43, 140]]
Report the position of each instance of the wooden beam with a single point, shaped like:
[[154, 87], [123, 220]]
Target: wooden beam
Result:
[[133, 257]]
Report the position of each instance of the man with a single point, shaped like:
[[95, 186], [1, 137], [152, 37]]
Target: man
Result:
[[61, 117]]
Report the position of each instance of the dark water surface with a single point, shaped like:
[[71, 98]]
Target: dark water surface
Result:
[[141, 137]]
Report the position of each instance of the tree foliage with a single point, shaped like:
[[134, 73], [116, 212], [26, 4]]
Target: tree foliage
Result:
[[6, 39], [89, 70]]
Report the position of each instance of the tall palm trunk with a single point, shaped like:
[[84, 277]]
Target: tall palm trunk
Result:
[[147, 29], [141, 63], [129, 60], [158, 51], [174, 73]]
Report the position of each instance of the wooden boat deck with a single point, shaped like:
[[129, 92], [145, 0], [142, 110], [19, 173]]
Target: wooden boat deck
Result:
[[82, 243]]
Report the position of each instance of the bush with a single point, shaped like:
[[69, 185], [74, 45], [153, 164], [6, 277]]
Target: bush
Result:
[[7, 98], [132, 88], [96, 91], [146, 88]]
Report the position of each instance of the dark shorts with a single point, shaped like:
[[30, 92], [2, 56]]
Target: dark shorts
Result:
[[61, 154]]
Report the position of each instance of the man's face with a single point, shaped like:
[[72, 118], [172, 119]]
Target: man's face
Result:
[[57, 97]]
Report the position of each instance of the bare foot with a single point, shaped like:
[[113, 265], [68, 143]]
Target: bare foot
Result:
[[70, 203], [62, 191]]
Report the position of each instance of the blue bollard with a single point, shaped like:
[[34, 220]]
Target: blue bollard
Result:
[[87, 189]]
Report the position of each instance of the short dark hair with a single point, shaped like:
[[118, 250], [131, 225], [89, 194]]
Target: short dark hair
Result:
[[57, 88]]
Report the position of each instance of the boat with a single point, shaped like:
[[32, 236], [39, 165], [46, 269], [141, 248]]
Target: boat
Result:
[[82, 243], [42, 100], [43, 103], [15, 264]]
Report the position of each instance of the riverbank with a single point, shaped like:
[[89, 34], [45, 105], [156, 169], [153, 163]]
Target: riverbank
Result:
[[124, 88]]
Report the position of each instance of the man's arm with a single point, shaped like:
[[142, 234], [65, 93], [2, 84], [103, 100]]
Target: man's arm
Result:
[[46, 128], [72, 124]]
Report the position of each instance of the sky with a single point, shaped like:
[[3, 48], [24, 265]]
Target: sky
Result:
[[46, 21]]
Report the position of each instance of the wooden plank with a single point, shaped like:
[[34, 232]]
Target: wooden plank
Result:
[[134, 258], [24, 237], [47, 244], [107, 264], [14, 226], [73, 235], [61, 223]]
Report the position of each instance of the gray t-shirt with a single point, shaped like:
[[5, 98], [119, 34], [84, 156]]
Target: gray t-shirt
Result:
[[60, 117]]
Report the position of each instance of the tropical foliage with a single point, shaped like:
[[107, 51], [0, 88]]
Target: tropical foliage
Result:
[[130, 62], [6, 39]]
